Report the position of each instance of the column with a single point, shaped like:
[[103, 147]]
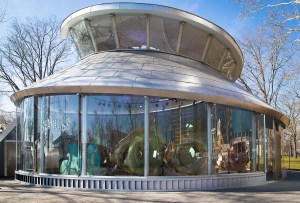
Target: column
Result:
[[265, 145], [42, 134], [209, 140], [253, 143], [146, 136], [84, 136]]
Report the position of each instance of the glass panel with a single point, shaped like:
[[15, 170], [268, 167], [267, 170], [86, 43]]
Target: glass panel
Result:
[[158, 38], [132, 31], [260, 143], [270, 153], [193, 42], [115, 135], [58, 124], [20, 115], [170, 32], [228, 66], [25, 136], [178, 137], [215, 53], [231, 133], [103, 33], [82, 39]]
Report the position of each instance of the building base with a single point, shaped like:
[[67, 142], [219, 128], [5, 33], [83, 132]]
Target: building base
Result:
[[155, 183]]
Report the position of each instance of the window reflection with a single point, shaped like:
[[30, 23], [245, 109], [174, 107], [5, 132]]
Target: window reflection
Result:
[[58, 129], [113, 143], [25, 144], [115, 135], [260, 143], [179, 136], [231, 132]]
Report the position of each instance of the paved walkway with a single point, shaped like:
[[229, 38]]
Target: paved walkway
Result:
[[287, 190]]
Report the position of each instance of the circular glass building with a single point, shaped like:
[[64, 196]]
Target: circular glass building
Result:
[[151, 105]]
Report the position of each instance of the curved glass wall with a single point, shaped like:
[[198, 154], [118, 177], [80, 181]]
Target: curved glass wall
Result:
[[25, 135], [58, 130], [103, 135], [114, 135], [178, 137], [231, 138]]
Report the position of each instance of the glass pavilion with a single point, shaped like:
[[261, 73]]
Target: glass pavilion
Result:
[[151, 105]]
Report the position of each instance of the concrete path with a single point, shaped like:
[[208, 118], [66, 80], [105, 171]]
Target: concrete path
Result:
[[287, 190]]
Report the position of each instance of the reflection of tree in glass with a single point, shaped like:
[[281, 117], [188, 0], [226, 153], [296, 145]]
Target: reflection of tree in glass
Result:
[[97, 130], [226, 119]]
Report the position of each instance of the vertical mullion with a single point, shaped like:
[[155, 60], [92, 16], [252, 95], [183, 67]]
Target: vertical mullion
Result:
[[146, 136], [209, 140]]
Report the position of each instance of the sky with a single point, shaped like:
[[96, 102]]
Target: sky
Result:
[[224, 13]]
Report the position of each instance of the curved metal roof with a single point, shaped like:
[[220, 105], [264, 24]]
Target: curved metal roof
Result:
[[148, 73], [116, 26]]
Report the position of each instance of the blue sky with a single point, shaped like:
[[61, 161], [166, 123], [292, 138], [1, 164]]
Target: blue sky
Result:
[[224, 13]]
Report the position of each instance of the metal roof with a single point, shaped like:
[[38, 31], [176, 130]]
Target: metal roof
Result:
[[116, 26], [148, 73]]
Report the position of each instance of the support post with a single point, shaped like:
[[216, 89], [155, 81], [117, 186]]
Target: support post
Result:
[[253, 144], [206, 48], [265, 145], [179, 37], [209, 140], [180, 120], [146, 136], [148, 30], [113, 18], [84, 134], [88, 26], [42, 135]]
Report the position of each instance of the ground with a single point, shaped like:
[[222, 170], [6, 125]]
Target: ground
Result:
[[287, 190]]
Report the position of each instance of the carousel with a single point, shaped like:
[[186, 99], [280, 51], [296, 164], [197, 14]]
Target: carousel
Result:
[[152, 104]]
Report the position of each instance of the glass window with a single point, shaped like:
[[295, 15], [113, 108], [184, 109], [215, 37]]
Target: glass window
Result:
[[260, 143], [132, 31], [58, 129], [228, 66], [178, 137], [82, 39], [170, 31], [103, 33], [158, 38], [25, 129], [231, 135], [19, 134], [215, 53], [115, 132], [193, 42]]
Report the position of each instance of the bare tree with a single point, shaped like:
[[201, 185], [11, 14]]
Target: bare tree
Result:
[[283, 14], [268, 65], [291, 107], [2, 12], [31, 52], [6, 118]]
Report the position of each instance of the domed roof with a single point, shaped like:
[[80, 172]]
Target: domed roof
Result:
[[118, 26], [148, 73]]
